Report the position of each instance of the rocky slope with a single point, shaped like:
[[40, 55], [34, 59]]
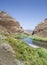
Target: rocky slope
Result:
[[41, 29], [7, 54], [9, 24]]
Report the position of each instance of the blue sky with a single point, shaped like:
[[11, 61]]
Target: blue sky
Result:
[[28, 12]]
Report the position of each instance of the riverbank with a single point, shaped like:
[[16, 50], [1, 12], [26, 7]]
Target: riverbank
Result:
[[25, 53], [37, 38]]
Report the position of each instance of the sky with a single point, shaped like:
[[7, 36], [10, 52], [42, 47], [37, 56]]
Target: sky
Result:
[[28, 12]]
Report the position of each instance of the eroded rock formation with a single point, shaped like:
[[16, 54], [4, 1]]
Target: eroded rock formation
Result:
[[9, 24], [41, 29]]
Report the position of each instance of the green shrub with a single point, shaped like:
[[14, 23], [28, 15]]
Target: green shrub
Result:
[[29, 55]]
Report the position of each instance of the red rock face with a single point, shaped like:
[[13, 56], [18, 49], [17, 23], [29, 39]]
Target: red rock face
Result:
[[9, 23], [41, 29]]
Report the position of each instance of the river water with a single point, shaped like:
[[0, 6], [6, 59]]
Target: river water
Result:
[[35, 44]]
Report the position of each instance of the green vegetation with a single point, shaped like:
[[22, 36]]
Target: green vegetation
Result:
[[23, 52], [29, 55], [20, 36], [37, 38]]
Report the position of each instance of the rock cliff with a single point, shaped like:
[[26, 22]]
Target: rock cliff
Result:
[[41, 29], [9, 24]]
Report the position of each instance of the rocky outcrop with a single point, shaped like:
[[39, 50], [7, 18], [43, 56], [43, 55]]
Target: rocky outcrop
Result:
[[41, 29], [7, 53], [9, 24], [7, 58]]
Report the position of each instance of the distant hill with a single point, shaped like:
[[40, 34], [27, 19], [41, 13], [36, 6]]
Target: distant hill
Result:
[[9, 24], [28, 32], [41, 29]]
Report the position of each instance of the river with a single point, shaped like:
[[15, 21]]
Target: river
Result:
[[35, 44]]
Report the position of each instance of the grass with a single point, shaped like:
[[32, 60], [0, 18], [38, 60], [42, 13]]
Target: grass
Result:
[[37, 38], [20, 36], [29, 55]]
